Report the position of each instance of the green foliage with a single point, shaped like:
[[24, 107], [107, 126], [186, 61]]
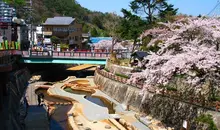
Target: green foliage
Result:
[[168, 13], [55, 40], [171, 88], [147, 7], [85, 28], [215, 98], [207, 119], [94, 32], [64, 46], [107, 70], [15, 2], [180, 75], [97, 21], [43, 9], [122, 75], [167, 87], [131, 26], [153, 48]]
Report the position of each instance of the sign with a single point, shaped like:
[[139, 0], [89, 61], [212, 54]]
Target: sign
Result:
[[185, 124]]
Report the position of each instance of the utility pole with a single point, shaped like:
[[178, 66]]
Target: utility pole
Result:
[[30, 20]]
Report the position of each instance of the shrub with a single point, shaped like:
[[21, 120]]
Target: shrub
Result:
[[64, 46], [122, 75], [171, 89], [107, 70], [217, 98], [207, 119]]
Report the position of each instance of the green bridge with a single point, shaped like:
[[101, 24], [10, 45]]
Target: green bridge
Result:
[[42, 57]]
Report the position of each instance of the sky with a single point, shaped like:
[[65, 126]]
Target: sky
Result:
[[190, 7]]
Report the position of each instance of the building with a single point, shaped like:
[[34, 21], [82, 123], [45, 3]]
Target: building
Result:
[[7, 28], [66, 28]]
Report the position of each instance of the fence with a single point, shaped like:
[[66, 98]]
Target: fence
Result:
[[118, 78], [120, 54]]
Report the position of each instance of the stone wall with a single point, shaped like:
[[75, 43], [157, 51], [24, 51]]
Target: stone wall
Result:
[[171, 112], [118, 69], [14, 109]]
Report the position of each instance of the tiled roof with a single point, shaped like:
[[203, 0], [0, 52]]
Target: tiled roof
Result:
[[59, 21]]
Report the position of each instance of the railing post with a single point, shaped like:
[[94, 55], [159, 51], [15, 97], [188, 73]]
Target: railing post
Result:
[[64, 53], [79, 54], [30, 53]]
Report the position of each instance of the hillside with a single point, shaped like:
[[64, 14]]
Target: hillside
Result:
[[95, 22]]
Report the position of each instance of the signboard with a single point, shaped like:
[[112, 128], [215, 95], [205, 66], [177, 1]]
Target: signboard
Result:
[[185, 124]]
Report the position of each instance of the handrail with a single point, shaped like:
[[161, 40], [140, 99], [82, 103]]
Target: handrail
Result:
[[32, 53], [118, 78]]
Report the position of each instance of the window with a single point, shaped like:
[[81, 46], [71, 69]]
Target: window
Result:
[[76, 38]]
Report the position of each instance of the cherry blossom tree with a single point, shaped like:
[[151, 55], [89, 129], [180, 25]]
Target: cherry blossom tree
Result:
[[188, 47]]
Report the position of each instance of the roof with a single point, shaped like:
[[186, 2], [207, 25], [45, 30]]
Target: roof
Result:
[[139, 54], [59, 21]]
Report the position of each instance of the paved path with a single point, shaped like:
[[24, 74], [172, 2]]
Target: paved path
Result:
[[98, 112], [37, 116]]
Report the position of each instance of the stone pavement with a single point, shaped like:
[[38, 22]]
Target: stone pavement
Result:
[[37, 116], [95, 112]]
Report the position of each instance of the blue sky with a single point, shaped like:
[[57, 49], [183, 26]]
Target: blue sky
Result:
[[190, 7]]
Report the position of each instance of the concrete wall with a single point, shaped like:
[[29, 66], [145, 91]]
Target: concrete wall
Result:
[[171, 112], [13, 110], [118, 69]]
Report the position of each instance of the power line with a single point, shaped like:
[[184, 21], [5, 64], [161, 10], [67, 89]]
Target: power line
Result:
[[215, 11]]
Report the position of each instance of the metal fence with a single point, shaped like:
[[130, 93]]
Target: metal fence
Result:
[[57, 54], [118, 78]]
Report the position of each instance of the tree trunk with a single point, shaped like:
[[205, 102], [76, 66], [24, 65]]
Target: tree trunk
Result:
[[149, 12], [114, 41], [134, 44]]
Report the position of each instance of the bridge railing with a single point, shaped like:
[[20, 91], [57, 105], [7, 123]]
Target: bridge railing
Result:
[[56, 54]]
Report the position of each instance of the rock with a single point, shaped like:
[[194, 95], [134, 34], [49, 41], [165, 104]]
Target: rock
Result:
[[87, 128], [122, 121], [169, 128], [80, 124], [107, 127], [95, 122], [149, 118]]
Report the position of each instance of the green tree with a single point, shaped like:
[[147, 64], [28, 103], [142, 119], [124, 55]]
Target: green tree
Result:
[[168, 13], [147, 7], [85, 28], [94, 32], [97, 21], [15, 2], [55, 40], [131, 27]]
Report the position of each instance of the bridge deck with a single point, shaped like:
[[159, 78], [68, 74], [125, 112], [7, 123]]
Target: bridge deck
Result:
[[81, 67]]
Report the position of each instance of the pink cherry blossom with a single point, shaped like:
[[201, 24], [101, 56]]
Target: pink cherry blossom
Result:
[[186, 46]]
